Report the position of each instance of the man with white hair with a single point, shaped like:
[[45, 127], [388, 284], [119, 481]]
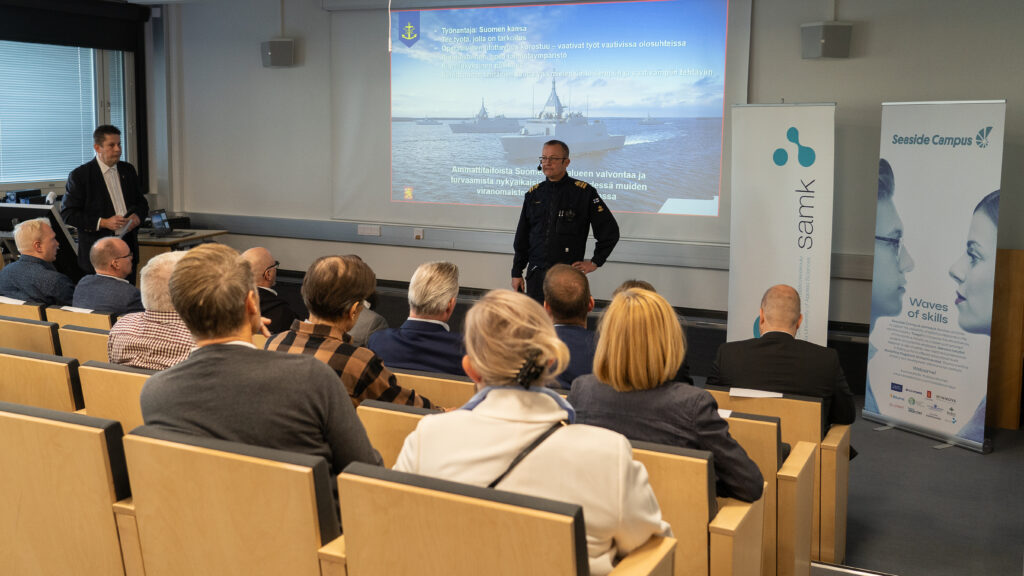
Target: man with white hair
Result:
[[156, 338], [107, 290], [778, 362], [425, 341], [33, 276]]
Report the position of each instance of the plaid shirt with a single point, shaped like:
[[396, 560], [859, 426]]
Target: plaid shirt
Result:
[[362, 372], [152, 340]]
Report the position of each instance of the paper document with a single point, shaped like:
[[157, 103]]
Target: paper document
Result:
[[724, 413], [6, 300], [750, 393], [80, 310]]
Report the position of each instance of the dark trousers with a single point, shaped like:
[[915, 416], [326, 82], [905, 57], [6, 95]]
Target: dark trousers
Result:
[[535, 284]]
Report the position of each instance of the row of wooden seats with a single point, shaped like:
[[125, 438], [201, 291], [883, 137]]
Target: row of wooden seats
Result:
[[204, 506], [715, 535], [50, 337], [57, 314]]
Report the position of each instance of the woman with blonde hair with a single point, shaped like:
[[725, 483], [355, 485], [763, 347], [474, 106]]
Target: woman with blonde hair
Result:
[[518, 436], [639, 347]]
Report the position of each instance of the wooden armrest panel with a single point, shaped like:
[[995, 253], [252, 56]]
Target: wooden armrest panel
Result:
[[128, 534], [796, 510], [332, 558], [736, 538], [654, 558], [835, 478]]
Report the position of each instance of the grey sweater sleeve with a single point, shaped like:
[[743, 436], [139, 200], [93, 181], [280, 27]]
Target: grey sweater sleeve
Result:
[[342, 428], [738, 475]]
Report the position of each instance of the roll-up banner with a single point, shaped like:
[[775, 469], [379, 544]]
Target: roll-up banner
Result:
[[934, 267], [781, 227]]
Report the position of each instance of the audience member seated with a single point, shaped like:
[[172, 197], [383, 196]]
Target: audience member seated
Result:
[[156, 338], [333, 291], [683, 374], [778, 362], [425, 341], [231, 390], [516, 435], [639, 346], [369, 322], [272, 306], [107, 290], [567, 300], [32, 277]]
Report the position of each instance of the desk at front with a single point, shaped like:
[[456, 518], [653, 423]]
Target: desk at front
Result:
[[150, 246]]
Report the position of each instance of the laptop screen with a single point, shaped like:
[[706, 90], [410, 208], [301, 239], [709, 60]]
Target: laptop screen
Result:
[[159, 218]]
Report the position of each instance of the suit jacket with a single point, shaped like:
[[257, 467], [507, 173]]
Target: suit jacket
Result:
[[276, 308], [778, 362], [86, 201], [368, 323], [35, 280], [108, 295], [418, 345], [580, 342]]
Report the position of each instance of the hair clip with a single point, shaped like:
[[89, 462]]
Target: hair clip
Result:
[[530, 370]]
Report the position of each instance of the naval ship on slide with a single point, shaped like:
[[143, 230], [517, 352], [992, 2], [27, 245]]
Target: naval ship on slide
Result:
[[555, 122], [482, 123]]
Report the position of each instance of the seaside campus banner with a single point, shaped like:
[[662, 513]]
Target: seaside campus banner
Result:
[[781, 227], [934, 267]]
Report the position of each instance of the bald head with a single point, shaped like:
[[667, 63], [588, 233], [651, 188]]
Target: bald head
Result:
[[111, 256], [780, 310], [264, 269]]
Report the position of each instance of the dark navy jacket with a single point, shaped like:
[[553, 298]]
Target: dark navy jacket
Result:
[[418, 345], [107, 295]]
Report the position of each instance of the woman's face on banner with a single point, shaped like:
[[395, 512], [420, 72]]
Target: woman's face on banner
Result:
[[974, 274]]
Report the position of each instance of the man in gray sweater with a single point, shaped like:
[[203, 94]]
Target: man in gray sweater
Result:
[[229, 389]]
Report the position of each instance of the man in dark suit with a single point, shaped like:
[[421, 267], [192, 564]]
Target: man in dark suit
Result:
[[272, 305], [107, 290], [103, 198], [778, 362], [567, 300], [424, 341]]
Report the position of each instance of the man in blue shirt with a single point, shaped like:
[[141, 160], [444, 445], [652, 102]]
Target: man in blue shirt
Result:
[[567, 300], [33, 277]]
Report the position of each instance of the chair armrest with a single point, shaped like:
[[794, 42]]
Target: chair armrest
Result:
[[332, 558], [128, 534], [796, 510], [655, 558], [82, 412], [835, 478], [736, 538]]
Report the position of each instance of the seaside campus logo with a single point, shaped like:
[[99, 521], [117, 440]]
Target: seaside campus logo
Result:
[[409, 27], [982, 138], [804, 154]]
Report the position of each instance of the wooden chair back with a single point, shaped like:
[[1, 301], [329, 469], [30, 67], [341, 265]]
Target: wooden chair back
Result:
[[83, 343], [442, 389], [112, 391], [227, 508], [802, 420], [388, 424], [29, 335], [452, 529], [26, 311], [760, 438], [60, 473], [41, 380], [88, 319]]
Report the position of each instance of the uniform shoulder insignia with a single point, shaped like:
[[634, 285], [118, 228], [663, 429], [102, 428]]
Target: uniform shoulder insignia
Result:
[[582, 184], [535, 186]]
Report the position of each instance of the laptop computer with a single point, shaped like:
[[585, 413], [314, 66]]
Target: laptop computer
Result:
[[162, 226]]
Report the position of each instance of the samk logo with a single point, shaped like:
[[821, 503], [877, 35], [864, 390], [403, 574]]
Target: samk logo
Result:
[[982, 137], [804, 154]]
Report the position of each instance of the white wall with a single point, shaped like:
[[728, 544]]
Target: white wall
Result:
[[257, 141]]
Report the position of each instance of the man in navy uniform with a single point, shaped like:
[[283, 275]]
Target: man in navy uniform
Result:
[[554, 224]]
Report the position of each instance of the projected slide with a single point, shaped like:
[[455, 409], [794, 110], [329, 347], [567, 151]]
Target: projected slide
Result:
[[634, 88]]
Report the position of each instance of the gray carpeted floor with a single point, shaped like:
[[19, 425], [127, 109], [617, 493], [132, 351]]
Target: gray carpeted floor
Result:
[[918, 511]]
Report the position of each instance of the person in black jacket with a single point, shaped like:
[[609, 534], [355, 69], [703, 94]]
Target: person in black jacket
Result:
[[778, 362], [272, 306], [555, 222]]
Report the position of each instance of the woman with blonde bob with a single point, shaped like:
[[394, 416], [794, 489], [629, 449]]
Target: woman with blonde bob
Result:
[[639, 347], [512, 353]]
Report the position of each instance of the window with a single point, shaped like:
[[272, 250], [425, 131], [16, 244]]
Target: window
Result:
[[51, 99]]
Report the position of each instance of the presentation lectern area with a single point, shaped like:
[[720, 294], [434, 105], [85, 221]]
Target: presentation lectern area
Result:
[[67, 254]]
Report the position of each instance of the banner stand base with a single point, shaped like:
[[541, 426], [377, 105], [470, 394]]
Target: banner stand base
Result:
[[943, 446], [982, 448]]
